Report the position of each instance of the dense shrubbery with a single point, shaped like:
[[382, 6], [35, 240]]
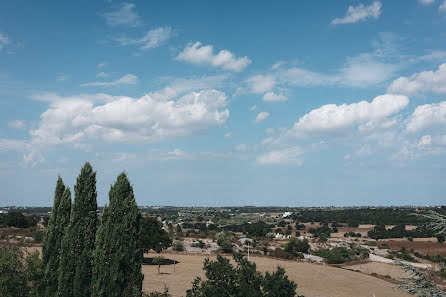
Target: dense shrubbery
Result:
[[339, 255]]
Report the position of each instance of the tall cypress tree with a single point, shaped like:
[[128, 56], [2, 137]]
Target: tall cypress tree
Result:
[[75, 271], [118, 257], [51, 242]]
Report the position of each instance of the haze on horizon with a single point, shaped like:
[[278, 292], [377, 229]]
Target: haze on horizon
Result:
[[307, 103]]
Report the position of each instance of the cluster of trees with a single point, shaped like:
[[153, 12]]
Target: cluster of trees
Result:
[[81, 257], [254, 230], [16, 219], [226, 280]]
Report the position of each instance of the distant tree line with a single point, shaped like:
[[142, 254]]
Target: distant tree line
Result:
[[17, 219], [399, 231], [355, 216]]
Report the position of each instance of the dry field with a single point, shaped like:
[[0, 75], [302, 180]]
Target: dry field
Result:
[[313, 280], [430, 247]]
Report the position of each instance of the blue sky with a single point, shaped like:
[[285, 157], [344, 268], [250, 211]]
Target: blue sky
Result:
[[302, 103]]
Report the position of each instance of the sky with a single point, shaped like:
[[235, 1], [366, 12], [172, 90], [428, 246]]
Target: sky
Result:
[[226, 103]]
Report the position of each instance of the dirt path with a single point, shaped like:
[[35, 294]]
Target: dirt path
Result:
[[313, 280]]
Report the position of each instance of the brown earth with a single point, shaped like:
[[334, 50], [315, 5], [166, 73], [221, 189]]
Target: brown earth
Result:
[[313, 280], [425, 247]]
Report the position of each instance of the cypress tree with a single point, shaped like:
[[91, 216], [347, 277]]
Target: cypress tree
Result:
[[75, 271], [51, 242], [118, 255], [51, 250]]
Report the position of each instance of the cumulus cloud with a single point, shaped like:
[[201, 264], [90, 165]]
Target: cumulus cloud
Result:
[[360, 71], [17, 124], [123, 15], [259, 84], [128, 79], [79, 121], [196, 53], [425, 2], [332, 118], [360, 13], [228, 135], [271, 96], [426, 116], [153, 38], [418, 83], [262, 116], [281, 156]]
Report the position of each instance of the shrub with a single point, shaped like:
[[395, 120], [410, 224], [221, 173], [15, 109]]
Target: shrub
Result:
[[178, 246]]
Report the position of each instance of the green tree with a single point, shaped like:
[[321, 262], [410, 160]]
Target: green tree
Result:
[[118, 255], [153, 236], [243, 280], [20, 276], [51, 246], [75, 270]]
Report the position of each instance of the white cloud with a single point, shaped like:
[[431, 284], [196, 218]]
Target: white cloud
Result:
[[442, 7], [281, 156], [259, 84], [180, 86], [124, 15], [153, 38], [228, 135], [103, 64], [425, 2], [253, 108], [4, 40], [102, 74], [262, 116], [17, 124], [241, 147], [128, 79], [63, 78], [360, 71], [360, 13], [195, 53], [333, 118], [79, 121], [271, 96], [426, 116], [425, 81]]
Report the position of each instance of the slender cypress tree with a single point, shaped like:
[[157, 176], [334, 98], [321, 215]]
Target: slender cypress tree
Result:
[[75, 271], [52, 241], [118, 255]]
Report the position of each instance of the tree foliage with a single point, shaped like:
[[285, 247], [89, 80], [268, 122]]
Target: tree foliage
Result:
[[118, 255], [153, 236], [75, 271], [243, 280], [20, 276], [51, 245]]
